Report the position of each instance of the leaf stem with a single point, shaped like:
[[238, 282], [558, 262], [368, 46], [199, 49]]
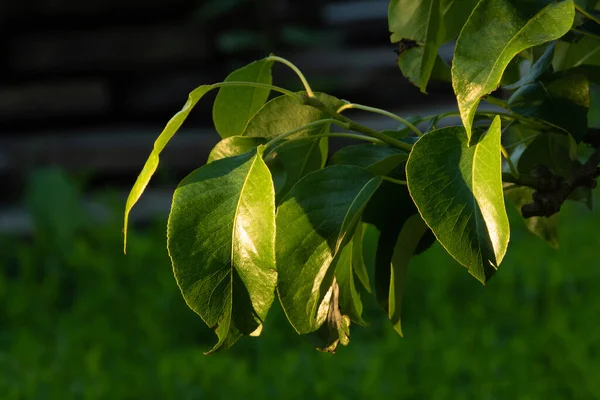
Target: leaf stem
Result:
[[396, 181], [496, 102], [271, 142], [258, 85], [585, 33], [512, 167], [382, 112], [353, 126], [296, 70], [587, 14]]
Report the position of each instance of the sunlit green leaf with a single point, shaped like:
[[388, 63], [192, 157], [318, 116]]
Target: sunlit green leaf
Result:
[[458, 191], [496, 31], [221, 239], [314, 221], [235, 105], [234, 146], [296, 158], [152, 163]]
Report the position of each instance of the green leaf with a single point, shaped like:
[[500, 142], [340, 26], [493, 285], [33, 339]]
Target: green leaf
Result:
[[285, 113], [563, 102], [152, 163], [379, 159], [408, 240], [234, 146], [496, 31], [410, 63], [429, 23], [295, 158], [585, 51], [349, 298], [537, 69], [235, 105], [458, 191], [315, 220], [553, 150], [221, 239], [545, 228], [359, 264]]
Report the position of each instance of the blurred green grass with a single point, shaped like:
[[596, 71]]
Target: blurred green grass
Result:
[[79, 320]]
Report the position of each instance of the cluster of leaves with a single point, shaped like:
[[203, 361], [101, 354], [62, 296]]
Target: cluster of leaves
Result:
[[271, 212]]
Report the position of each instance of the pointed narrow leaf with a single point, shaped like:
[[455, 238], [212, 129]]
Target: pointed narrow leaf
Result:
[[537, 69], [496, 31], [234, 106], [358, 258], [349, 298], [234, 146], [221, 238], [413, 230], [458, 191], [315, 220], [152, 163]]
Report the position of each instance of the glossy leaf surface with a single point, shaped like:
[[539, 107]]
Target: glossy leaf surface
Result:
[[315, 220], [152, 163], [235, 105], [221, 239], [458, 191], [496, 31], [234, 146]]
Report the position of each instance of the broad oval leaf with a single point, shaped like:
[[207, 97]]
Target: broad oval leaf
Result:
[[496, 31], [554, 150], [152, 163], [234, 146], [349, 299], [235, 105], [458, 191], [221, 239], [297, 157], [285, 113], [315, 220]]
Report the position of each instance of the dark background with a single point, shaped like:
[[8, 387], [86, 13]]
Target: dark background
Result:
[[85, 88]]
